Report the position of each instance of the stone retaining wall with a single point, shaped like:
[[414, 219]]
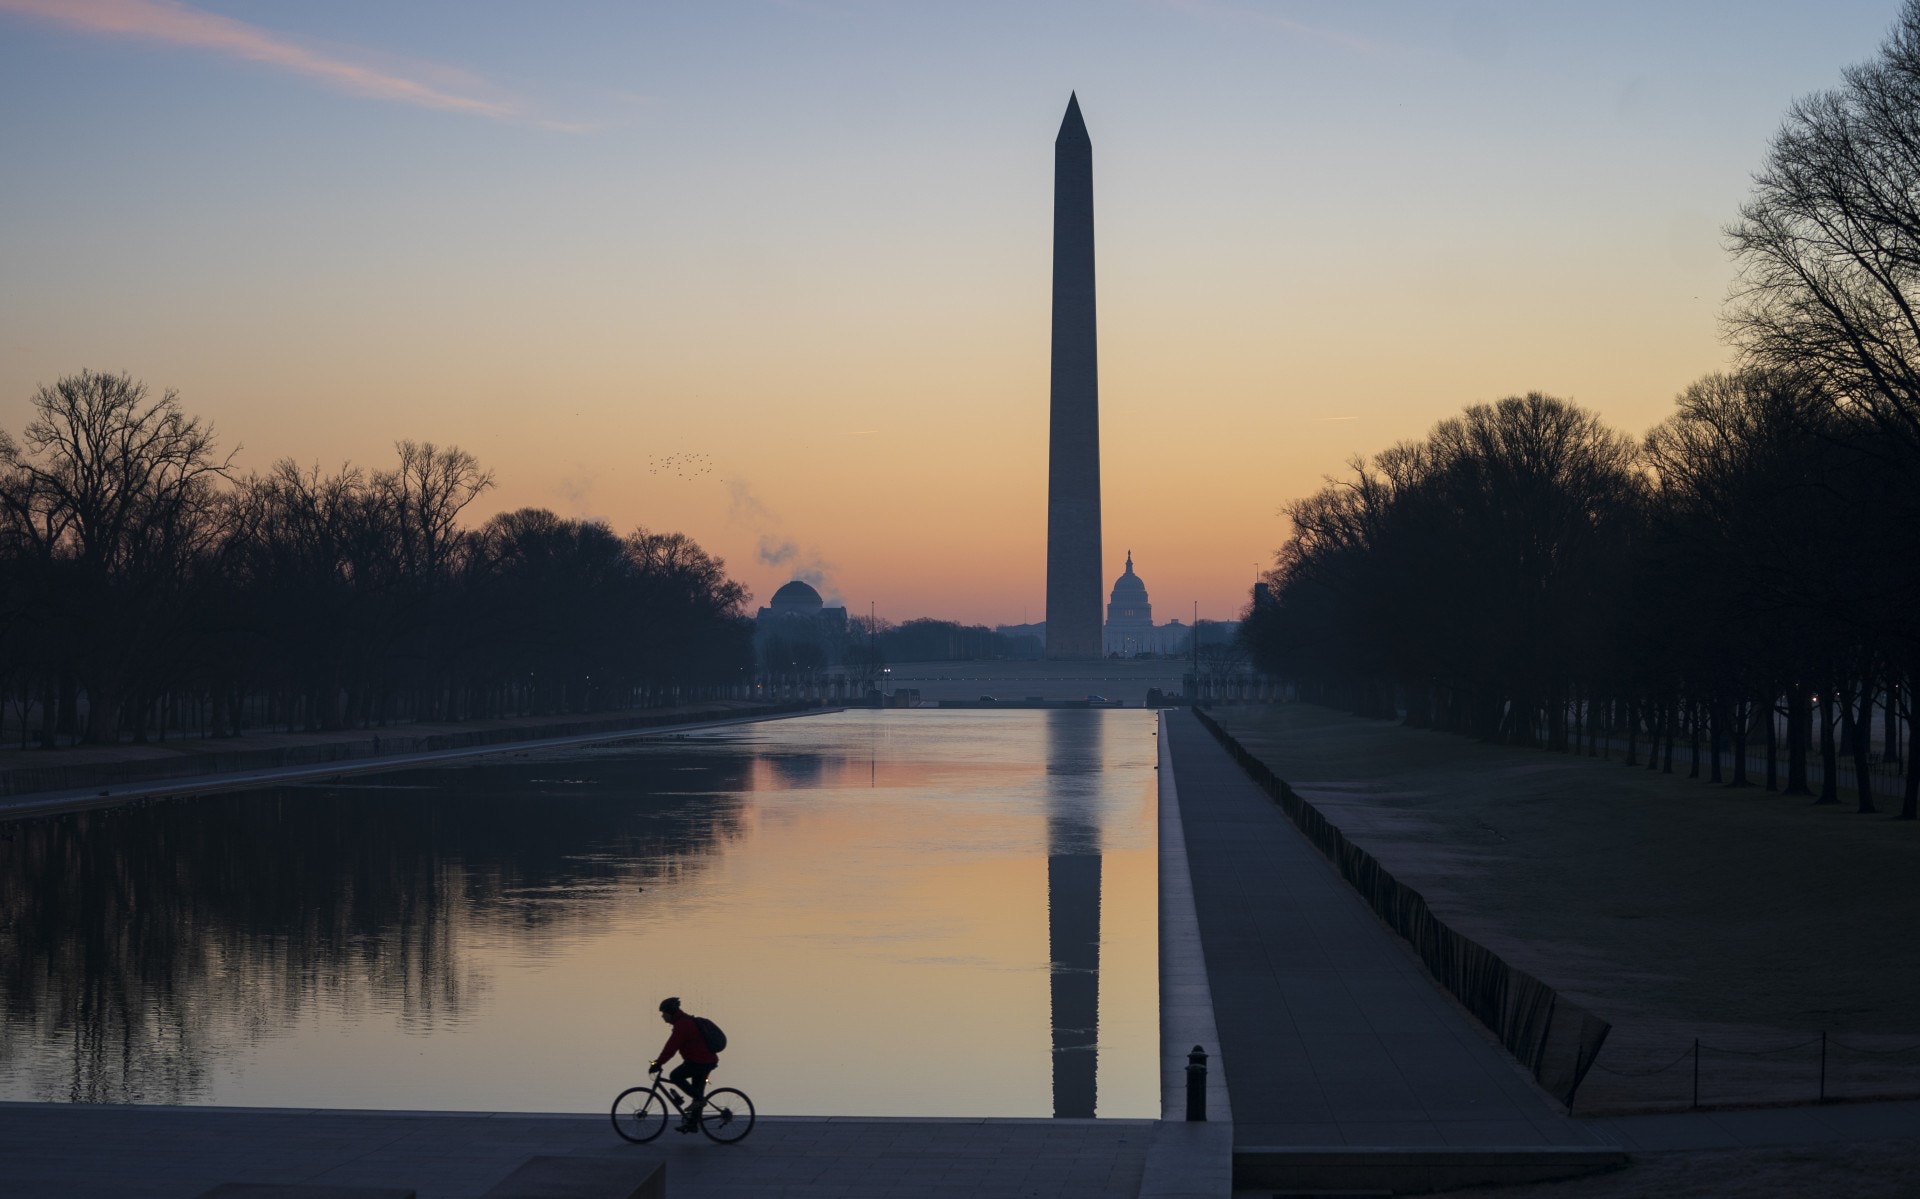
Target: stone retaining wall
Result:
[[1556, 1039]]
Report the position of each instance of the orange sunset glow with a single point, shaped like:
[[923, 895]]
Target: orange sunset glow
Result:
[[809, 252]]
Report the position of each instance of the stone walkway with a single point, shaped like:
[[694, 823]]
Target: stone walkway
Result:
[[42, 803], [1332, 1032], [63, 1151]]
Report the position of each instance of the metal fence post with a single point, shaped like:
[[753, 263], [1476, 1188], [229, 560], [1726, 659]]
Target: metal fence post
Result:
[[1197, 1084]]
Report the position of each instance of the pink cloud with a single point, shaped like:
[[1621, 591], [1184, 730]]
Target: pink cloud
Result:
[[176, 24]]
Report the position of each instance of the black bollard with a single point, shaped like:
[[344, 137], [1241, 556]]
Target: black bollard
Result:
[[1197, 1084]]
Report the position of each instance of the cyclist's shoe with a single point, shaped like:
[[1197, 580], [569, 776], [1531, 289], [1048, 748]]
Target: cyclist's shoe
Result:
[[689, 1124]]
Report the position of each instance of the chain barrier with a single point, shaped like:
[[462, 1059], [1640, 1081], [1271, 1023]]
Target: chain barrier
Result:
[[1605, 1069], [1825, 1041], [1766, 1052], [1875, 1052]]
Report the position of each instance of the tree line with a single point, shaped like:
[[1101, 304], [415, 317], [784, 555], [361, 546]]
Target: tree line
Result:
[[146, 587], [926, 639], [1526, 574]]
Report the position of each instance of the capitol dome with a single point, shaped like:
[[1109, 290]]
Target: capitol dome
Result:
[[1129, 592], [1129, 616], [796, 597]]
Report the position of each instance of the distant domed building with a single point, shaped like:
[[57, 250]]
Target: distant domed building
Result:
[[1130, 628], [795, 599], [1131, 632], [796, 630]]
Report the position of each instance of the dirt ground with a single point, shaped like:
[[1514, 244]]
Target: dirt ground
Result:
[[1674, 909]]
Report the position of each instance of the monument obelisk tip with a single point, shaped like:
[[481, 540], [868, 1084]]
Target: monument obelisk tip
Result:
[[1073, 129]]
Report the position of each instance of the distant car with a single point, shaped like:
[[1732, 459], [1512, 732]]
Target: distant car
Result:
[[1096, 699], [986, 699]]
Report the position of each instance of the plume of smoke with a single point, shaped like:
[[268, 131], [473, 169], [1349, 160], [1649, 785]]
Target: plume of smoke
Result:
[[577, 488], [775, 547]]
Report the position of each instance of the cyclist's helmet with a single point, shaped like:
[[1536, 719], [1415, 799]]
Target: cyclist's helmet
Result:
[[670, 1004]]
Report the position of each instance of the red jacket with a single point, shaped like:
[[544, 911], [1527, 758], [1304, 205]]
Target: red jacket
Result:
[[687, 1042]]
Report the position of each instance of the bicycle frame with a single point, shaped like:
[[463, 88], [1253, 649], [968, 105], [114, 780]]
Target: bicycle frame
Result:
[[726, 1113]]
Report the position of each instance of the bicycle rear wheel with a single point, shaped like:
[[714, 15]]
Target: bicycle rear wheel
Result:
[[727, 1115], [639, 1114]]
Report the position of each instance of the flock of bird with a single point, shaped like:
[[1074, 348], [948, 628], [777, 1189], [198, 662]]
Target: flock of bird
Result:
[[684, 466]]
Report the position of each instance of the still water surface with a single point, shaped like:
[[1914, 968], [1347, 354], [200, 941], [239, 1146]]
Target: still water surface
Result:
[[891, 913]]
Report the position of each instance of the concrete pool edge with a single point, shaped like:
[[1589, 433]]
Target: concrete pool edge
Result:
[[1185, 1159], [65, 1151]]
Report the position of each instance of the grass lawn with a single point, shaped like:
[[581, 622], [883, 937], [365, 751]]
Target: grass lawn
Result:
[[1674, 909]]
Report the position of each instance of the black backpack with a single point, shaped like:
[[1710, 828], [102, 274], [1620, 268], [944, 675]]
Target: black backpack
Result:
[[710, 1032]]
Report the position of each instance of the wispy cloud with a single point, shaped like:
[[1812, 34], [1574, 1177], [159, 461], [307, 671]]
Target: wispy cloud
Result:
[[175, 24]]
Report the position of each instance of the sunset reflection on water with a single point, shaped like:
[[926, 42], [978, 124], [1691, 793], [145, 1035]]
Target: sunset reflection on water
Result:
[[862, 900]]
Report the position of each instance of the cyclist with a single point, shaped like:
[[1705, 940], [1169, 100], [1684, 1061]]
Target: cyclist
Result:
[[696, 1060]]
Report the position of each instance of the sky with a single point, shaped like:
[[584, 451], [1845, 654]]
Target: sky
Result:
[[775, 273]]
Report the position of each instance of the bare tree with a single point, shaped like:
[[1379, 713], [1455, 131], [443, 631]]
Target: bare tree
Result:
[[123, 488], [1828, 248], [1828, 245], [428, 489]]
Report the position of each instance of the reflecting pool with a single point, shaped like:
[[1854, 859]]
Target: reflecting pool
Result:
[[890, 913]]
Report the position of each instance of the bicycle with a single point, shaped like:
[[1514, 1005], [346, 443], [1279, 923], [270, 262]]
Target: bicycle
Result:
[[640, 1113]]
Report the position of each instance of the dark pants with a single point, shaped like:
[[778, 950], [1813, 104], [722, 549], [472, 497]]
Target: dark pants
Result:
[[691, 1077]]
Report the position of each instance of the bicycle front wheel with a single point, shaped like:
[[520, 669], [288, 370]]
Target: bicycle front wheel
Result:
[[639, 1114], [727, 1115]]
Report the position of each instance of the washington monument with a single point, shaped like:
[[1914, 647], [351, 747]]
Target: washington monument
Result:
[[1073, 440]]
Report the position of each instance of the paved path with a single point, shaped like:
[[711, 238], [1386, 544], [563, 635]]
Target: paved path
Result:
[[80, 1152], [47, 802], [1332, 1032]]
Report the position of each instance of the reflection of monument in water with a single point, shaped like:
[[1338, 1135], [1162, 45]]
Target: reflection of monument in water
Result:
[[1074, 754], [1073, 436]]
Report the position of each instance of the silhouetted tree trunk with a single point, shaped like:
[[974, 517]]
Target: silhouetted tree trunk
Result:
[[1829, 758], [1799, 738], [1773, 746], [1742, 712], [1856, 714], [1910, 790], [1716, 734], [1890, 726]]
